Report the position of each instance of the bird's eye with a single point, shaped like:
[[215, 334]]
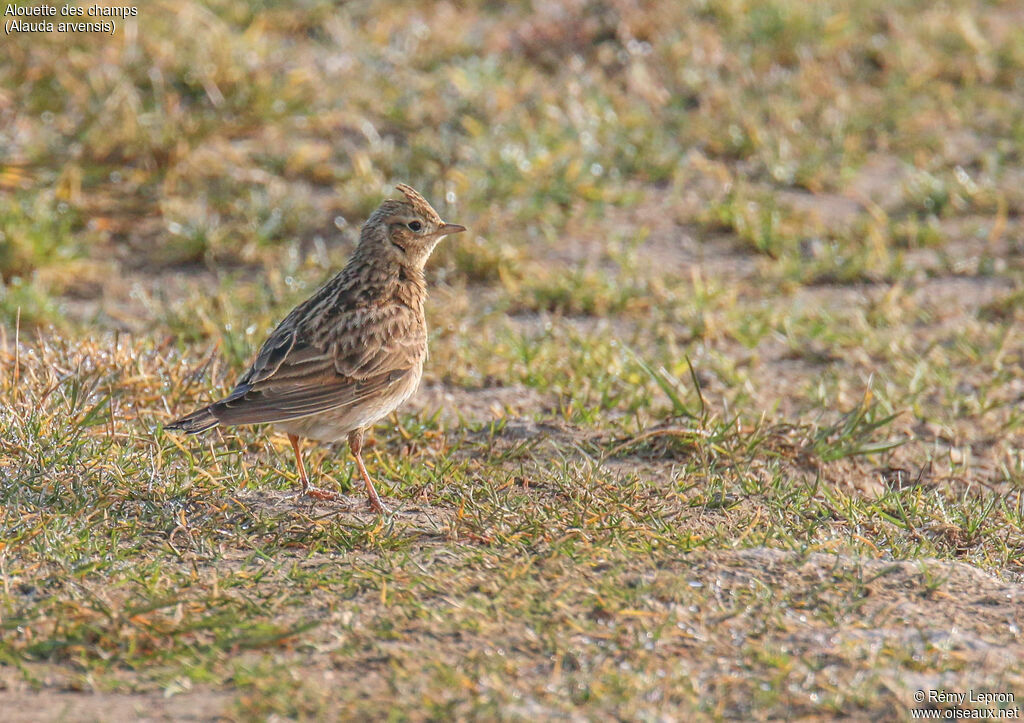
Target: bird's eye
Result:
[[414, 225]]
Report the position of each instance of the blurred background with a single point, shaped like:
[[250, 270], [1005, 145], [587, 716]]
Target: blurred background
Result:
[[228, 141]]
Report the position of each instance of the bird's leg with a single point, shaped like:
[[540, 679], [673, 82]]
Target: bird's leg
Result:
[[306, 489], [355, 443]]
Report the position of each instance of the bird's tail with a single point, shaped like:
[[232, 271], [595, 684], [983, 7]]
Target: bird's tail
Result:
[[196, 422]]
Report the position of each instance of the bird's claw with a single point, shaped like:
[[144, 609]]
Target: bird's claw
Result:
[[379, 507], [319, 494]]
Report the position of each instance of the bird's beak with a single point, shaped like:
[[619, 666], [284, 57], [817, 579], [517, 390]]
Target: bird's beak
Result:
[[450, 228]]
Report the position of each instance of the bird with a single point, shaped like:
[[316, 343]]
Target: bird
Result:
[[350, 354]]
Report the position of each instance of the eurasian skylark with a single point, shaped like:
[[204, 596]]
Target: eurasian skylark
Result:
[[350, 354]]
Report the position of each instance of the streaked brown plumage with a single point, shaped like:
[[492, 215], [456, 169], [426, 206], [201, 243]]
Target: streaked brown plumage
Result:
[[351, 353]]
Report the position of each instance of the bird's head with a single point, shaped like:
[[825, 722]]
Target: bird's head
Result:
[[406, 230]]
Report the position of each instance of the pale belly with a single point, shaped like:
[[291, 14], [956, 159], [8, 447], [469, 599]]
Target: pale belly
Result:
[[335, 424]]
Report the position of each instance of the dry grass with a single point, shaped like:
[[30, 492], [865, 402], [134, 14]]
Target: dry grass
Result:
[[720, 418]]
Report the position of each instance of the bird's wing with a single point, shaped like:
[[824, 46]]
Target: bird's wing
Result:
[[297, 374]]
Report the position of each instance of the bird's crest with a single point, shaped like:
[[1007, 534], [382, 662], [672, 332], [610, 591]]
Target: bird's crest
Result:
[[419, 203]]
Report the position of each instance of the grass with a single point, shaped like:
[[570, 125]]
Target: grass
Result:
[[720, 418]]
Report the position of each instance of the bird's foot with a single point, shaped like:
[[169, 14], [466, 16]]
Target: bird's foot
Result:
[[319, 494], [378, 506]]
